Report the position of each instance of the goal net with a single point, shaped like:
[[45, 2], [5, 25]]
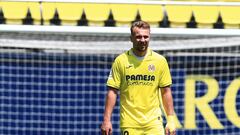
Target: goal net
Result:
[[55, 83]]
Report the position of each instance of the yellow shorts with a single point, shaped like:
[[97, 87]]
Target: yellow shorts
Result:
[[153, 130]]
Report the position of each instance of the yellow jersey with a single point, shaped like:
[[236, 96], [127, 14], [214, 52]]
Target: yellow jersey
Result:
[[138, 81]]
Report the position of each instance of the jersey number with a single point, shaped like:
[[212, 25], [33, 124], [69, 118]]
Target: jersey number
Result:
[[125, 133]]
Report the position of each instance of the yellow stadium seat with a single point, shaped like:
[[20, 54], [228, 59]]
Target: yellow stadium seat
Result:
[[205, 16], [124, 14], [48, 11], [230, 16], [231, 0], [153, 14], [69, 13], [178, 15], [34, 8], [14, 12], [96, 14]]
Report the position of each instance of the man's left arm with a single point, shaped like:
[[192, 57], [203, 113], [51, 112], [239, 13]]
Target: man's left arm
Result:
[[168, 106]]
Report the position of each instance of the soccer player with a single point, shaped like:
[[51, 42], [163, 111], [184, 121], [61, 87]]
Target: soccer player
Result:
[[140, 76]]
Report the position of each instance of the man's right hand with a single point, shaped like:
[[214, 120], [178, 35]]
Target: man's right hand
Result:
[[106, 128]]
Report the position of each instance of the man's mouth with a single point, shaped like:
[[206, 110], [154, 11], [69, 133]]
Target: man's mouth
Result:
[[142, 43]]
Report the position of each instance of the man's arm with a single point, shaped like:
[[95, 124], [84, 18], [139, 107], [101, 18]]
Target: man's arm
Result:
[[106, 127], [168, 106]]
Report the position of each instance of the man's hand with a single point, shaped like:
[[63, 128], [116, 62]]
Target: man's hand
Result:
[[170, 128], [106, 128]]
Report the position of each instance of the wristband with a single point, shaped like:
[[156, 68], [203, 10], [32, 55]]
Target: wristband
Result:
[[170, 123], [170, 118]]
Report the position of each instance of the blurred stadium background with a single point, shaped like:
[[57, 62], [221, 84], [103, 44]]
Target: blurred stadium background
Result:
[[55, 57]]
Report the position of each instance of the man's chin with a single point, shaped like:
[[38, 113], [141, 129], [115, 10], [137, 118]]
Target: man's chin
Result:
[[143, 49]]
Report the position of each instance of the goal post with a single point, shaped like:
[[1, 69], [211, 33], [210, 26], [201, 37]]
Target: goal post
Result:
[[56, 83]]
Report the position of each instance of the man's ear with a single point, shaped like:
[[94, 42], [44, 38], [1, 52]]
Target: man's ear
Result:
[[131, 38]]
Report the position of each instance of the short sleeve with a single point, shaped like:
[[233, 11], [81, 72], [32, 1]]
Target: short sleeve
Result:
[[165, 75], [114, 77]]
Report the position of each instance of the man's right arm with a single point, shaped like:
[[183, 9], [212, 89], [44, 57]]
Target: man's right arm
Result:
[[106, 127]]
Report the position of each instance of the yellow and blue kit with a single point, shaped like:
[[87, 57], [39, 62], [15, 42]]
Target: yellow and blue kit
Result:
[[138, 82]]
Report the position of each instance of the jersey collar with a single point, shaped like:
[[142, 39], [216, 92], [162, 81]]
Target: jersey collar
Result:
[[149, 53]]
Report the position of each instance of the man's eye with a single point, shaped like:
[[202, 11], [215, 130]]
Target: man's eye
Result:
[[138, 37], [145, 37]]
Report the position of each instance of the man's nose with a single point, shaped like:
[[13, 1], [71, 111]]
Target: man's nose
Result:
[[142, 39]]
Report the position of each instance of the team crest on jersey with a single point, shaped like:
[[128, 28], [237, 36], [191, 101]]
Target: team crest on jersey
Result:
[[151, 68]]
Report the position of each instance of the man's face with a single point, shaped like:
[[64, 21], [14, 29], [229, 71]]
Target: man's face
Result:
[[140, 39]]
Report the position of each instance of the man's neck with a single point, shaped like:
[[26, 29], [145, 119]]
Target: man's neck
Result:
[[138, 56], [139, 53]]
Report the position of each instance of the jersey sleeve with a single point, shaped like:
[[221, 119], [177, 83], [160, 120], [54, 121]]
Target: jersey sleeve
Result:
[[165, 75], [114, 77]]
